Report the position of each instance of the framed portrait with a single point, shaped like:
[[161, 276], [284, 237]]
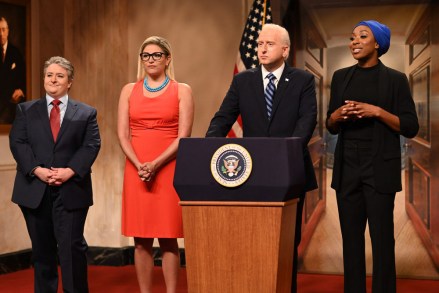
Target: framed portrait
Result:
[[14, 58]]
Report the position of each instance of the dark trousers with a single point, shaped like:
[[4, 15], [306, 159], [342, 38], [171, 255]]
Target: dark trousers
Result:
[[360, 203], [55, 231], [297, 238]]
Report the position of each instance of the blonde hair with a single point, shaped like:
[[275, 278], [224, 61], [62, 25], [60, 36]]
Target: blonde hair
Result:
[[165, 46]]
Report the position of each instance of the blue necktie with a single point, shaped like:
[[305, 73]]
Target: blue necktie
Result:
[[270, 89]]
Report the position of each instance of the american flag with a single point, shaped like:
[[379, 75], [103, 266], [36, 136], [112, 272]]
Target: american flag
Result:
[[259, 15]]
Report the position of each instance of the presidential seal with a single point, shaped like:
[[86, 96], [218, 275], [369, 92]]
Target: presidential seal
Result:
[[231, 165]]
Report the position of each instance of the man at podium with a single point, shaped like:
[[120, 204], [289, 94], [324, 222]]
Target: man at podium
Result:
[[274, 100]]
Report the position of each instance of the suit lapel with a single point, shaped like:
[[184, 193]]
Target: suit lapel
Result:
[[282, 85], [72, 107], [44, 115], [259, 92]]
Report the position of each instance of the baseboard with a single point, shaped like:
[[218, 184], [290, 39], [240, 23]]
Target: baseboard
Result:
[[100, 256], [15, 261], [110, 256]]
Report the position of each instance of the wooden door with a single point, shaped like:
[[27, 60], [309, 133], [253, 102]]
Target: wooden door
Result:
[[422, 181], [308, 51]]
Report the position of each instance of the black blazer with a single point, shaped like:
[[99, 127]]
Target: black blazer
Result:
[[394, 97], [294, 110], [32, 145]]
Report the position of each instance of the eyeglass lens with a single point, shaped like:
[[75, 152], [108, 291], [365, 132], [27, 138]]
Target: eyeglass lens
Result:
[[156, 56]]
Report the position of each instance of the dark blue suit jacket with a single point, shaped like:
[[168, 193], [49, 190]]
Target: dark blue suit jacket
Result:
[[294, 110], [32, 145]]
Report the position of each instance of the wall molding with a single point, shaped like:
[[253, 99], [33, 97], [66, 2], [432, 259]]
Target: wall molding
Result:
[[8, 167]]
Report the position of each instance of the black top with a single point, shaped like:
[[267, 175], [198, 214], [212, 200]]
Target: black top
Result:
[[394, 96], [363, 87]]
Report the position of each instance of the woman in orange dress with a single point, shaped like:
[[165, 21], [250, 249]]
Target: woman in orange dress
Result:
[[154, 113]]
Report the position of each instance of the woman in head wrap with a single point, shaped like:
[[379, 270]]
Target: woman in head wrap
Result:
[[370, 107]]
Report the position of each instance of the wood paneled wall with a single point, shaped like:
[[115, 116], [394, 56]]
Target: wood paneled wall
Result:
[[101, 38], [95, 41]]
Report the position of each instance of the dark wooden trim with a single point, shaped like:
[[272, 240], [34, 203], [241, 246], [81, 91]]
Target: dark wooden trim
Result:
[[15, 261], [310, 228], [100, 256], [420, 27]]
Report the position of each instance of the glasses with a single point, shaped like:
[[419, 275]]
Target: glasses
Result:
[[156, 56]]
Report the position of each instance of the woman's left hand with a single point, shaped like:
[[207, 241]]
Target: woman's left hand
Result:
[[147, 171], [364, 110]]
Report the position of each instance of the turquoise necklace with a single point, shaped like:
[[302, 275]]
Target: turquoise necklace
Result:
[[155, 89]]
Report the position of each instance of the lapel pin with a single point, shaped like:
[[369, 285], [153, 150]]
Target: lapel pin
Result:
[[286, 79]]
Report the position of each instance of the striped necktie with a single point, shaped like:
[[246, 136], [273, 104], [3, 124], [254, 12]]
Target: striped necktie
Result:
[[270, 89]]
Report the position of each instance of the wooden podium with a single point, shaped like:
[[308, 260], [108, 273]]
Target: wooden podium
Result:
[[239, 239]]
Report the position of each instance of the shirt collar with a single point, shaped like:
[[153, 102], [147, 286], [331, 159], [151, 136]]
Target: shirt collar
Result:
[[63, 99], [277, 72]]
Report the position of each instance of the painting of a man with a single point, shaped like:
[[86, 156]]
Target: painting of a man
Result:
[[12, 75]]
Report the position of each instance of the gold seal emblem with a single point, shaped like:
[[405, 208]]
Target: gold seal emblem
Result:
[[231, 165]]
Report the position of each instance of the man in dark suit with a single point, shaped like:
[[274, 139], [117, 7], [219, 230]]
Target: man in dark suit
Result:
[[55, 141], [12, 75], [285, 108]]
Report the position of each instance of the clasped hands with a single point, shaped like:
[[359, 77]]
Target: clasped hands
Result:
[[353, 110], [146, 171], [54, 176]]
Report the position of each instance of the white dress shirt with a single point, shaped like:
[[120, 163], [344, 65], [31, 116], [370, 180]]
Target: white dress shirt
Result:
[[62, 106], [278, 73]]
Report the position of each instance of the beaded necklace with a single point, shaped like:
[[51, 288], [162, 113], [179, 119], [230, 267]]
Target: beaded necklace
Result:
[[155, 89]]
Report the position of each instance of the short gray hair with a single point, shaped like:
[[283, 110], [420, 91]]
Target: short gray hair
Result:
[[63, 62], [283, 32], [284, 35]]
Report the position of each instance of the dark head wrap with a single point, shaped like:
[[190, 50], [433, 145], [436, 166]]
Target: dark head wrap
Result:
[[381, 33]]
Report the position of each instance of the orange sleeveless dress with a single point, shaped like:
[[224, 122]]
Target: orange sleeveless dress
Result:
[[150, 209]]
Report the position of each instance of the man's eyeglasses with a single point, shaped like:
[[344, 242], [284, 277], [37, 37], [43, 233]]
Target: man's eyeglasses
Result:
[[156, 56]]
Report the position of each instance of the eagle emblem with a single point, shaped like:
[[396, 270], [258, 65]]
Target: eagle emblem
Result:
[[231, 165]]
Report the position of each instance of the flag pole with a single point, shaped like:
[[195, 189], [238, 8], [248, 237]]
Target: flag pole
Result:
[[265, 12]]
